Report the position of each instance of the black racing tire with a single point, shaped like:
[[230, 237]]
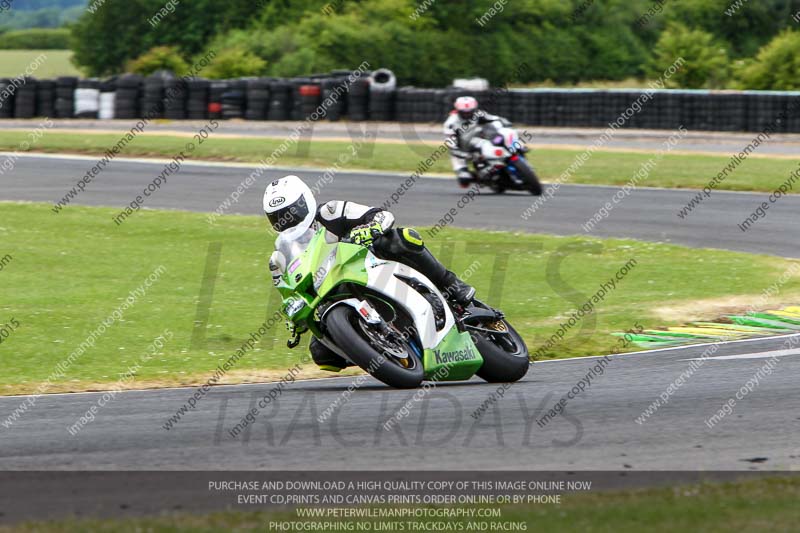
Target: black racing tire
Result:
[[527, 173], [501, 364], [341, 324], [497, 188]]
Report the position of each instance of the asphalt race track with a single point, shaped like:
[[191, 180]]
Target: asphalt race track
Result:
[[598, 430], [648, 214]]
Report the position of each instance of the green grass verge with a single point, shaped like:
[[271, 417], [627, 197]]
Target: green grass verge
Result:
[[604, 167], [755, 505], [56, 63], [71, 270]]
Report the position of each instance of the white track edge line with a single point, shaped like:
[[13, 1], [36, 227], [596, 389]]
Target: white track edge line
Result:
[[626, 354], [682, 347]]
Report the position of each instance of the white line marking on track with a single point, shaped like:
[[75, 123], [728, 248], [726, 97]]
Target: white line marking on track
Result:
[[628, 354], [672, 348], [757, 355]]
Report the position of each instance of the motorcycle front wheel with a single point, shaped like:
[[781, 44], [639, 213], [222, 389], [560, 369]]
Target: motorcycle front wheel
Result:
[[388, 358], [528, 175]]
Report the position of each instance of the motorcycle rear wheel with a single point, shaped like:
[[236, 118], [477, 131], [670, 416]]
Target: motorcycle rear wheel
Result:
[[505, 355], [497, 188]]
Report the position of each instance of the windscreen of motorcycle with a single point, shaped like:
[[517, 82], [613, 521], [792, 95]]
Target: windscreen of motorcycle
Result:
[[294, 248]]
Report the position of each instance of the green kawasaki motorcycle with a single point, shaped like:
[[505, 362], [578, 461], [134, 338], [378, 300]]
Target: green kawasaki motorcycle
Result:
[[392, 321]]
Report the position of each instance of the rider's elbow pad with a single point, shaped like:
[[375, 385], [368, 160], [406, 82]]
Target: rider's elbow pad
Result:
[[385, 219]]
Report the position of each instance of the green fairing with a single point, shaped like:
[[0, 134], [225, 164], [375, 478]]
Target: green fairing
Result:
[[348, 267], [454, 346], [455, 358]]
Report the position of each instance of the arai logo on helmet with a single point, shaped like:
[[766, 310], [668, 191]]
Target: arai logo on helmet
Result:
[[275, 202]]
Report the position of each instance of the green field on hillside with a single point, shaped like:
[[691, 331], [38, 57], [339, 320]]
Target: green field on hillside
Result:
[[54, 63]]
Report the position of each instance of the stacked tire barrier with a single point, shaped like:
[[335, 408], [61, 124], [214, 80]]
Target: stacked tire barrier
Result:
[[175, 93], [65, 96], [25, 100], [233, 100], [309, 95], [153, 96], [108, 99], [358, 100], [87, 99], [215, 91], [280, 100], [46, 98], [6, 98], [257, 99], [333, 90], [126, 101], [376, 96], [382, 85], [197, 99], [296, 98]]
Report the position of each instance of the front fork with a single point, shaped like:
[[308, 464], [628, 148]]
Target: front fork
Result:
[[364, 309]]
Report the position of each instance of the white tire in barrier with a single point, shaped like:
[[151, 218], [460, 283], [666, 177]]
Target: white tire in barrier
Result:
[[471, 84], [382, 80], [87, 100], [107, 102]]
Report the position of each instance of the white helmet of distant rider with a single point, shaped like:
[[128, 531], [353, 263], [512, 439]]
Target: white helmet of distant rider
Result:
[[466, 106], [290, 206]]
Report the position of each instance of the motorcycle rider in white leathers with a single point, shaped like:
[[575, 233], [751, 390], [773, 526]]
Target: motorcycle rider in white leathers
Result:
[[292, 210], [461, 131]]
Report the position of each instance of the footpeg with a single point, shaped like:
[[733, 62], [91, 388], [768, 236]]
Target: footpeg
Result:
[[294, 341]]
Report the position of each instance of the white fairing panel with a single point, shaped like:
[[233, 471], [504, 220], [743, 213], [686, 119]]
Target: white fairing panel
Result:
[[382, 277], [490, 152]]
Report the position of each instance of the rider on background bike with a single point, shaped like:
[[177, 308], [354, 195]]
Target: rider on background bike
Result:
[[462, 127], [292, 210]]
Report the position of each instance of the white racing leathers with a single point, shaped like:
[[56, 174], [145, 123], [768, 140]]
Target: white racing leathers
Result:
[[464, 136], [338, 217]]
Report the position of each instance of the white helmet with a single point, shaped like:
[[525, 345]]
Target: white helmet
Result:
[[466, 107], [290, 206]]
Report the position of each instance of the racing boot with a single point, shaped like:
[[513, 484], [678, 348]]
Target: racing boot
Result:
[[451, 286], [407, 246], [325, 358], [465, 177], [457, 290]]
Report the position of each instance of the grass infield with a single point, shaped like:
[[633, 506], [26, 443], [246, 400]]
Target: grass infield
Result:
[[72, 270], [768, 504]]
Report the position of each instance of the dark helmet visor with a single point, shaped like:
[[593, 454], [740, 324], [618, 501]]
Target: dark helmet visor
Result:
[[289, 216]]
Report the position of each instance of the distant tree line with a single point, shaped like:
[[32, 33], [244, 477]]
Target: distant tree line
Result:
[[24, 14], [563, 41]]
